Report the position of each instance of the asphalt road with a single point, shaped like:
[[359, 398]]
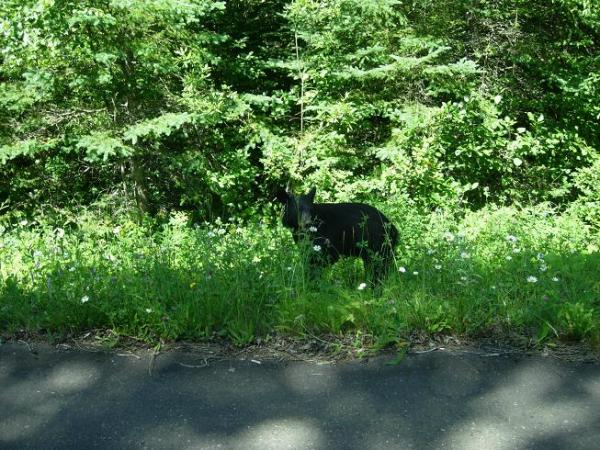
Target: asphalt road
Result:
[[82, 400]]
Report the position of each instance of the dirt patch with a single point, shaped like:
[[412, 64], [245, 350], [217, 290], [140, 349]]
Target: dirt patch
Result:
[[318, 349]]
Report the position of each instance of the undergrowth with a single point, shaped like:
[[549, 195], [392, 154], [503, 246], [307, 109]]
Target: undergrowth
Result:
[[532, 271]]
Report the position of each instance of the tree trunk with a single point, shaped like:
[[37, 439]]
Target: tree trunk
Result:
[[140, 188]]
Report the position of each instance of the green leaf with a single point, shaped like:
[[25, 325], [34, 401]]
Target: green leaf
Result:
[[103, 145], [159, 126]]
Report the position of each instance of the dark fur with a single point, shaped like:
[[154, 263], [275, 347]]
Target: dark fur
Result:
[[342, 229]]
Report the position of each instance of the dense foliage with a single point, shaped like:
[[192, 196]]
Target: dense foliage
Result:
[[142, 144], [209, 105]]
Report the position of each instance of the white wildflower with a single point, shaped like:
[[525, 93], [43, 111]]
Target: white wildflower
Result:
[[60, 233], [448, 236], [531, 279], [117, 230], [71, 269], [463, 278], [312, 229], [430, 252], [361, 286], [521, 130], [402, 269], [415, 273], [148, 310], [511, 238], [256, 259], [516, 250], [317, 248], [438, 267], [23, 223], [211, 234], [508, 258], [465, 255], [221, 231], [543, 268], [555, 279], [85, 299]]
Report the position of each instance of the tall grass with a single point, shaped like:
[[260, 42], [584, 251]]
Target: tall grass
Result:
[[531, 272]]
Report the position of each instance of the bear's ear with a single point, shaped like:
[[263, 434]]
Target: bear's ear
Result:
[[282, 196], [311, 195]]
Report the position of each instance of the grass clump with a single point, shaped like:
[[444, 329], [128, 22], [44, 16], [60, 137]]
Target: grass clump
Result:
[[531, 271]]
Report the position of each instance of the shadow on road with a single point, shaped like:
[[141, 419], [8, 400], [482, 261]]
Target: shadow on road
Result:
[[106, 400]]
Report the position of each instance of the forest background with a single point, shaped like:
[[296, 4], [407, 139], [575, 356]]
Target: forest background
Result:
[[142, 144]]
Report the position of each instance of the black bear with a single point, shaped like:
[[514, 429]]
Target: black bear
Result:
[[341, 229]]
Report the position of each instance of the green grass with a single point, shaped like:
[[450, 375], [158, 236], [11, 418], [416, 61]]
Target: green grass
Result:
[[530, 272]]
